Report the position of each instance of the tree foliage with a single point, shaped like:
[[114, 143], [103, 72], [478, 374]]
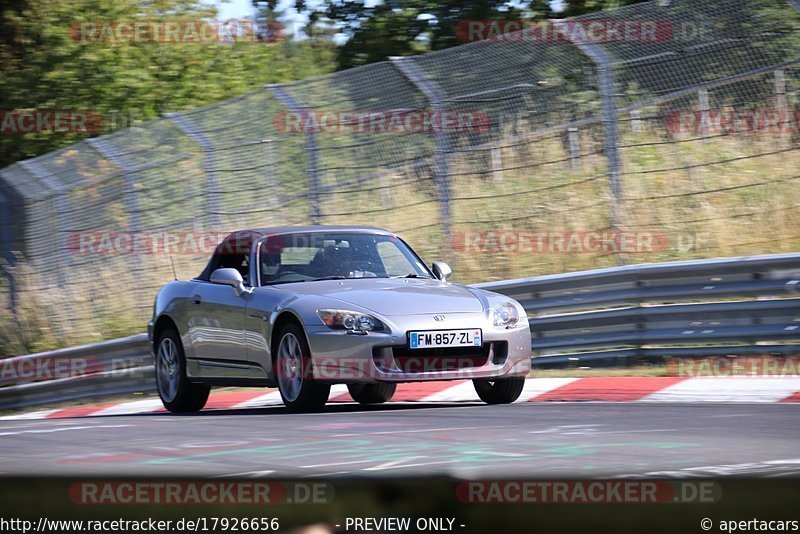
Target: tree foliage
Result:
[[376, 31], [42, 67]]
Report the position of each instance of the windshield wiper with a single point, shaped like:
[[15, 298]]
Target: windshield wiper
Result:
[[412, 275], [337, 277]]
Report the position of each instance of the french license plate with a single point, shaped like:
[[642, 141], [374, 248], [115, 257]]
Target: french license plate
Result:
[[429, 339]]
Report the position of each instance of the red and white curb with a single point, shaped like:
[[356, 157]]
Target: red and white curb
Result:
[[603, 389]]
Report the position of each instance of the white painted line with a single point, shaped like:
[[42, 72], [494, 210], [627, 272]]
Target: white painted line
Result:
[[727, 389], [393, 463], [61, 429]]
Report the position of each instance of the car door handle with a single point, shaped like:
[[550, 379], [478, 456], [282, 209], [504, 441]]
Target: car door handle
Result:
[[197, 299], [262, 316]]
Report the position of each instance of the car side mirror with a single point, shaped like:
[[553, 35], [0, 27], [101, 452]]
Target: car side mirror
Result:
[[228, 276], [441, 270]]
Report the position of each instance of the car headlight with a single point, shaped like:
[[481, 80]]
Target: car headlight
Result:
[[506, 315], [349, 320]]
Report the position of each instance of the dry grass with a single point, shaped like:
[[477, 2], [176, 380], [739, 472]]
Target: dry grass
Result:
[[686, 189]]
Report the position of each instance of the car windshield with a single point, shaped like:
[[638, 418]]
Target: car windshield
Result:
[[307, 257]]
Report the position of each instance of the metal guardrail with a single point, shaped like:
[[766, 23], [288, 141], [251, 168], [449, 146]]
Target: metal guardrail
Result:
[[115, 367], [615, 316], [621, 315]]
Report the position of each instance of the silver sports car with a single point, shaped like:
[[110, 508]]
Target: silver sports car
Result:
[[306, 307]]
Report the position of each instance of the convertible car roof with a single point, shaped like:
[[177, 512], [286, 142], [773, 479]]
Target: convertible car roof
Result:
[[311, 228], [242, 240]]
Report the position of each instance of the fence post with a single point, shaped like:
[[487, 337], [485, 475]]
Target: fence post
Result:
[[57, 191], [605, 80], [574, 141], [636, 121], [705, 115], [496, 155], [292, 105], [129, 173], [782, 107], [6, 252], [209, 163], [436, 97]]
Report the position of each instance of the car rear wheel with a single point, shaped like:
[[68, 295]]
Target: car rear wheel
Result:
[[372, 393], [300, 393], [500, 391], [177, 393]]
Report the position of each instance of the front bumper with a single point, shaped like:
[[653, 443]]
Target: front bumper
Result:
[[383, 357]]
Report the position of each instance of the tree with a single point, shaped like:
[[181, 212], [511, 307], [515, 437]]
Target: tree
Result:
[[405, 27], [44, 67]]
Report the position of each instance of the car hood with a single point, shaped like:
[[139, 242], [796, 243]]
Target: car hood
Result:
[[395, 296]]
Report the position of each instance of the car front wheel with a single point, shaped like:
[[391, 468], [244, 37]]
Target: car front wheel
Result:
[[372, 393], [299, 391], [500, 391], [177, 394]]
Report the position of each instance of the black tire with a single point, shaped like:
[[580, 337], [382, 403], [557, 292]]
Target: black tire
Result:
[[500, 391], [372, 393], [187, 397], [311, 396]]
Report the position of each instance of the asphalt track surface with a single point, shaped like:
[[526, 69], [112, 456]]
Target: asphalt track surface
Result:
[[541, 440]]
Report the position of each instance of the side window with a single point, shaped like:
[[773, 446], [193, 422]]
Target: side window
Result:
[[240, 262]]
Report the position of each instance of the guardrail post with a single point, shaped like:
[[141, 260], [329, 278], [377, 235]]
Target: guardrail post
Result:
[[436, 97], [605, 80], [209, 163], [312, 169]]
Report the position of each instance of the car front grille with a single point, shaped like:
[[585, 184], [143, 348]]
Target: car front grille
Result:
[[445, 358]]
